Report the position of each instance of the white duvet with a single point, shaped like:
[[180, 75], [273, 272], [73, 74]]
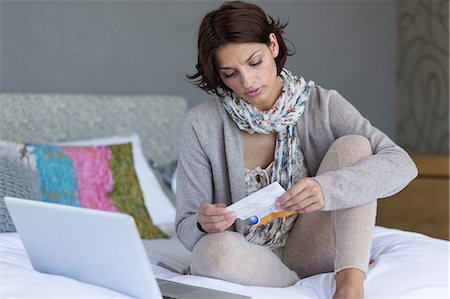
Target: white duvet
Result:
[[407, 265]]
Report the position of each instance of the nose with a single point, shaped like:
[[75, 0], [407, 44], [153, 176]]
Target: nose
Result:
[[247, 79]]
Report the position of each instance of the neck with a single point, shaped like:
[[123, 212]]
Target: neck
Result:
[[273, 95]]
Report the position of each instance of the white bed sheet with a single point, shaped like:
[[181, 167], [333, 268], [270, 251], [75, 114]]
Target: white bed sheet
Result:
[[407, 265]]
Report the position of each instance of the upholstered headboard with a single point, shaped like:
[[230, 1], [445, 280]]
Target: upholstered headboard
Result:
[[64, 117]]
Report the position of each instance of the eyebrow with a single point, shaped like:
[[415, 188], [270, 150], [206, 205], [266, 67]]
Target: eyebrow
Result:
[[248, 59]]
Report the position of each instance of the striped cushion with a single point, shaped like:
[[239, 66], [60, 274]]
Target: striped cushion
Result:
[[96, 177]]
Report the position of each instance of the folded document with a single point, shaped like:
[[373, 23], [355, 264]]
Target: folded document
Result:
[[259, 207]]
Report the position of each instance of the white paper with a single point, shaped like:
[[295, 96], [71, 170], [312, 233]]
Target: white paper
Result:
[[258, 204]]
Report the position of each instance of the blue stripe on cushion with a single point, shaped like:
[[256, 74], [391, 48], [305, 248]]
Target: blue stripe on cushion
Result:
[[56, 174]]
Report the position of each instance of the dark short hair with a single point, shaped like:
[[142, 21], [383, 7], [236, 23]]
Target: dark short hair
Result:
[[236, 22]]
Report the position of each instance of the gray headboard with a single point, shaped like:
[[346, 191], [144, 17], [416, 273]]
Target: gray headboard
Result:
[[40, 118]]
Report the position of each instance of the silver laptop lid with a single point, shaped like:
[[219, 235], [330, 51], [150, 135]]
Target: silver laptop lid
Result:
[[92, 246]]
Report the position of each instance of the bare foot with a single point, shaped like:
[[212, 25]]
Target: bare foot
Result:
[[349, 284]]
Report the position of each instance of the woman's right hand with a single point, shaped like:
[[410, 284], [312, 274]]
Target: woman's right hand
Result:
[[215, 218]]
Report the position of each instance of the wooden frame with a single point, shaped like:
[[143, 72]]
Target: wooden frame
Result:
[[423, 206]]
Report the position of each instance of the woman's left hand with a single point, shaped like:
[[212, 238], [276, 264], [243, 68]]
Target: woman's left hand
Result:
[[304, 197]]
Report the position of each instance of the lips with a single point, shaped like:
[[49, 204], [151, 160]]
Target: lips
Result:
[[254, 92]]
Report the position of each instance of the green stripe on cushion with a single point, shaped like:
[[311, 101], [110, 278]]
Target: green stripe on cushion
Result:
[[127, 194]]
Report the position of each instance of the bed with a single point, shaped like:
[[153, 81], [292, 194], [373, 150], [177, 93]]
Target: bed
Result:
[[407, 264]]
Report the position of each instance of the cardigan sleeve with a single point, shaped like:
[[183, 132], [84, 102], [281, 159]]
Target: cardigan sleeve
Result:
[[383, 174], [194, 184]]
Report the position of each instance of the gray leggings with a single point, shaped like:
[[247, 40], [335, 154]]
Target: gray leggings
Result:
[[319, 242]]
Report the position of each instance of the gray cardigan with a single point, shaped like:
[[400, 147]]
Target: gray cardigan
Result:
[[211, 160]]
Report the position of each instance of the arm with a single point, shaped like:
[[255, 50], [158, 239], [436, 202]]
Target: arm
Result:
[[196, 212], [385, 173], [194, 184]]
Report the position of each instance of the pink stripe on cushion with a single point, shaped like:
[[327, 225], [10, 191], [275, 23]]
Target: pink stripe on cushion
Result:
[[94, 177]]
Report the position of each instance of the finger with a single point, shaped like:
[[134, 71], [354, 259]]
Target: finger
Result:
[[300, 202], [211, 210], [217, 226], [291, 192], [223, 228], [216, 218]]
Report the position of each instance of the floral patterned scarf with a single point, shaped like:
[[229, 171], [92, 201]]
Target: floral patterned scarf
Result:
[[281, 118]]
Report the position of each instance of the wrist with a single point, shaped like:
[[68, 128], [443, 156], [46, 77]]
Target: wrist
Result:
[[200, 228]]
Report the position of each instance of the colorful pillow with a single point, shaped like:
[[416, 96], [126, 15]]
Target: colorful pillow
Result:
[[160, 207], [98, 177]]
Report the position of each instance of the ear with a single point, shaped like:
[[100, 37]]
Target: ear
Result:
[[273, 45]]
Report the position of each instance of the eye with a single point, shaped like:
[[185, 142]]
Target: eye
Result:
[[228, 75], [255, 63]]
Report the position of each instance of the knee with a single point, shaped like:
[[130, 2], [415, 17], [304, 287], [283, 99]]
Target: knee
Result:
[[212, 253], [352, 148], [228, 256], [353, 143], [344, 152]]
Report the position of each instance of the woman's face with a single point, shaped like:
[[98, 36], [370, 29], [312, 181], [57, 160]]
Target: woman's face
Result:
[[249, 69]]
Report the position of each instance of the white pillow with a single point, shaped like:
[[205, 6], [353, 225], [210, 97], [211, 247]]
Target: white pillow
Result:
[[157, 203]]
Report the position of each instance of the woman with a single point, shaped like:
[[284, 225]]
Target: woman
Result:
[[268, 125]]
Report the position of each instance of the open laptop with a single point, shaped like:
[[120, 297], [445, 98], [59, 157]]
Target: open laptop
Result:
[[96, 247]]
